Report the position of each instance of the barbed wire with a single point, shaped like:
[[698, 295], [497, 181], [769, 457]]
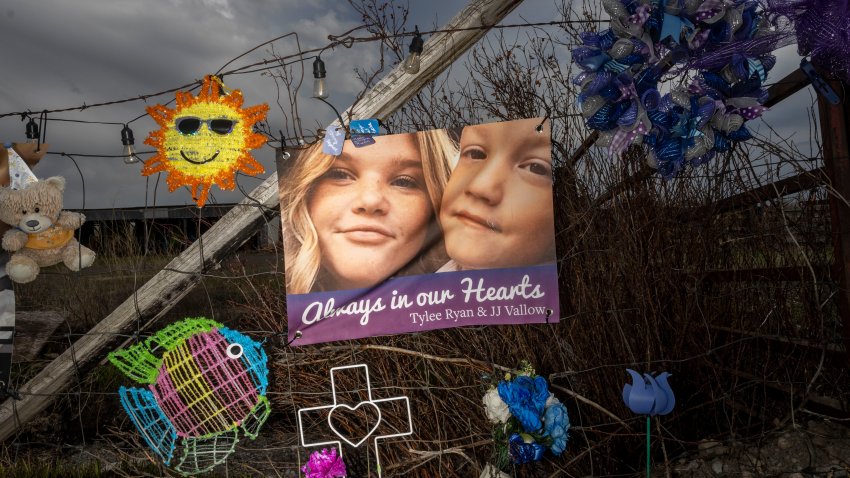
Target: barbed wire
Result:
[[344, 39]]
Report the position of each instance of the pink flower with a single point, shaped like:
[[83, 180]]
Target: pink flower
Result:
[[324, 464]]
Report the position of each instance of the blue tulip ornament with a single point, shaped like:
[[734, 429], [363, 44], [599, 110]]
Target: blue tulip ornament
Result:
[[649, 395]]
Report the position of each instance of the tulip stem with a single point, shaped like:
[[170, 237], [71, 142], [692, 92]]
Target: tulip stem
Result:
[[647, 445]]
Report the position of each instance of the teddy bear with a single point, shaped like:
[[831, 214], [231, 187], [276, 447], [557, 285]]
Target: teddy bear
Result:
[[42, 234]]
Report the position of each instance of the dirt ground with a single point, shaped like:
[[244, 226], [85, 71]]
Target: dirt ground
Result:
[[814, 449]]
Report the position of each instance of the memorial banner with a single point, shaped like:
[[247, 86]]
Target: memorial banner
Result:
[[420, 231]]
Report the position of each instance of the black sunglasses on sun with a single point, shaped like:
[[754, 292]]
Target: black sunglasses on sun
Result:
[[191, 125]]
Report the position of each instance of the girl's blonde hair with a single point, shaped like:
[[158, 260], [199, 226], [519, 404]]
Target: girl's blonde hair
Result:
[[303, 258]]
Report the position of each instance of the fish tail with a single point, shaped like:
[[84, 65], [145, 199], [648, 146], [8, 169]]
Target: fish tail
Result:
[[144, 411]]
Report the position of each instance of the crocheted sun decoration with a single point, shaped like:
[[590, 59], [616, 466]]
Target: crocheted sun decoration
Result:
[[205, 389], [715, 54], [205, 139], [527, 419]]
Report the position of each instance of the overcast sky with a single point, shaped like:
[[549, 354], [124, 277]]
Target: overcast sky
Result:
[[60, 53]]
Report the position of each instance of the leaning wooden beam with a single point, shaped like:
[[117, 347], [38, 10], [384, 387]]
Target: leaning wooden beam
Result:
[[584, 147], [171, 284], [794, 184], [767, 274], [794, 82], [831, 348], [645, 172]]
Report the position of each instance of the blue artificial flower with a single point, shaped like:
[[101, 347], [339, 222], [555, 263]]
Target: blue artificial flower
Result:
[[526, 399], [522, 452], [556, 424]]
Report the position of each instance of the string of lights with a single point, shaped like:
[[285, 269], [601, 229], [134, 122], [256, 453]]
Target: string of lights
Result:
[[410, 65]]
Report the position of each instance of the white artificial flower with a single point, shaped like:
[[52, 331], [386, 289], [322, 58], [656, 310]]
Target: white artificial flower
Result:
[[496, 408], [490, 471]]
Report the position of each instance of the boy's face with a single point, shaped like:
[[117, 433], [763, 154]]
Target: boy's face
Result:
[[497, 208]]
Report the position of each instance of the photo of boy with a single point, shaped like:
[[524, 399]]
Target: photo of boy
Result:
[[497, 208]]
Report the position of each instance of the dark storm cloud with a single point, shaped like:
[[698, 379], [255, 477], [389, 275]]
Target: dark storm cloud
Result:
[[60, 53]]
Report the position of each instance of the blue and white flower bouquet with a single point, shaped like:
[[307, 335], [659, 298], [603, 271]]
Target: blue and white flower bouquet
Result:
[[527, 420]]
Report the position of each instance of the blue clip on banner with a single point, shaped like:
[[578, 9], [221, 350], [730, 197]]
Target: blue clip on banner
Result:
[[367, 126]]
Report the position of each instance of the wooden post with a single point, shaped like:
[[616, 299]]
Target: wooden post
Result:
[[834, 121], [171, 284]]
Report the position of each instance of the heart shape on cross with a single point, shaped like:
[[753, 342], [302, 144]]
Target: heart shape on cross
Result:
[[344, 413]]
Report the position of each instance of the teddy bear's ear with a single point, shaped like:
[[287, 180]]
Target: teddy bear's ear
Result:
[[57, 182]]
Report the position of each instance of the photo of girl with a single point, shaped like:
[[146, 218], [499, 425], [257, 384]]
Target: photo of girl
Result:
[[497, 208], [354, 220]]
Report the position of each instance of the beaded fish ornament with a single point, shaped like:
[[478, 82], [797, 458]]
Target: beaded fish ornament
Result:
[[203, 389]]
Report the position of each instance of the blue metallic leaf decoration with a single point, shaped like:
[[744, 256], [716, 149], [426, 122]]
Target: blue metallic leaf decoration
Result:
[[606, 117], [610, 92], [741, 134], [629, 116], [651, 99], [713, 80], [721, 143], [590, 39], [632, 59], [607, 39], [661, 120], [768, 61], [720, 32], [600, 80]]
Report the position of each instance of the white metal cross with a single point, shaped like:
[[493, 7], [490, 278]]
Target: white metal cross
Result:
[[370, 402]]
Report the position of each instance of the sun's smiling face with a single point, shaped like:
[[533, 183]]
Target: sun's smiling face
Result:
[[205, 133], [205, 140]]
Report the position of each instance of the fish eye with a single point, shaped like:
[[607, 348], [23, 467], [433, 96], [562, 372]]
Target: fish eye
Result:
[[234, 351]]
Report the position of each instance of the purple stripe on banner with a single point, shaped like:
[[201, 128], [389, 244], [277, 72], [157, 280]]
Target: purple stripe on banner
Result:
[[520, 295]]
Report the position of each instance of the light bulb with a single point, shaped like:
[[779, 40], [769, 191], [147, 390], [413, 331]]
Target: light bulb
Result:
[[320, 89], [412, 63], [130, 155], [127, 140]]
